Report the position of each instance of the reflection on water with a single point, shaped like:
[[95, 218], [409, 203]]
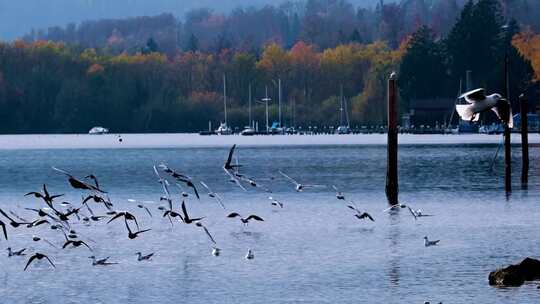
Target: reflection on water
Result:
[[312, 250]]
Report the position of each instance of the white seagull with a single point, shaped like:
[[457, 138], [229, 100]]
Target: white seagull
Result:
[[298, 186], [275, 202], [479, 102], [213, 195]]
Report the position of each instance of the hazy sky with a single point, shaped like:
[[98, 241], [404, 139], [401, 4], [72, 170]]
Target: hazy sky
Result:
[[18, 17]]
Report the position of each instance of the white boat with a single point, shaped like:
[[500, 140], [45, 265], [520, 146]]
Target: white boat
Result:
[[224, 129], [248, 131], [98, 131], [343, 128]]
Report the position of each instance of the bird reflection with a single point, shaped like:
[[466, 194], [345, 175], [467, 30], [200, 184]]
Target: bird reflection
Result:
[[394, 234]]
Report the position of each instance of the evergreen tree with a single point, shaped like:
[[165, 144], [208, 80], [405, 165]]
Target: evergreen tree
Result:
[[423, 69]]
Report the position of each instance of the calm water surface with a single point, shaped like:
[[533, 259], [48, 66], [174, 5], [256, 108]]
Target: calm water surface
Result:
[[312, 251]]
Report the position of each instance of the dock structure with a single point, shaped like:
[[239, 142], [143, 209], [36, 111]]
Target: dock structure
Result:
[[392, 187]]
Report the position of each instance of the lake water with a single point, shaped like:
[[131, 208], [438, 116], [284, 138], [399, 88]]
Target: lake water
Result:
[[312, 251]]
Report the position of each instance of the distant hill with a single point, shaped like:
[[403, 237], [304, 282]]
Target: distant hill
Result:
[[19, 17]]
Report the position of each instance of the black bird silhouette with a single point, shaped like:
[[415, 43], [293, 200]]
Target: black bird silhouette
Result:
[[97, 199], [37, 222], [199, 224], [3, 225], [75, 243], [131, 234], [16, 252], [359, 214], [45, 195], [246, 220], [127, 216], [78, 184], [181, 178], [38, 256], [186, 219], [228, 163], [12, 222]]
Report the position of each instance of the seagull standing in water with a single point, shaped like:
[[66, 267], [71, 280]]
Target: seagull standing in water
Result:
[[101, 262], [479, 102], [141, 257], [275, 202], [339, 194], [250, 255], [429, 243]]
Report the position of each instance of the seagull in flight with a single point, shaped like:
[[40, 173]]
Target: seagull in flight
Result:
[[15, 253], [181, 178], [339, 194], [246, 220], [479, 102], [213, 195], [395, 207], [359, 214], [275, 202], [78, 184], [199, 224], [298, 186], [230, 169], [165, 185], [429, 243], [38, 256], [141, 206], [417, 213]]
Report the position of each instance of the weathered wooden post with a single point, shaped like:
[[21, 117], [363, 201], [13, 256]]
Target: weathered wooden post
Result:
[[524, 141], [392, 164], [507, 141]]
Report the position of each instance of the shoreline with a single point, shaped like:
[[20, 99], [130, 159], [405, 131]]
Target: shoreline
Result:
[[194, 140]]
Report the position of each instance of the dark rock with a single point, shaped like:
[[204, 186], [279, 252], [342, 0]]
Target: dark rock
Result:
[[516, 275]]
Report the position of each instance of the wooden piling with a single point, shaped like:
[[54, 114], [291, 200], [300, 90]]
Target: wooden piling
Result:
[[524, 141], [392, 162], [507, 141]]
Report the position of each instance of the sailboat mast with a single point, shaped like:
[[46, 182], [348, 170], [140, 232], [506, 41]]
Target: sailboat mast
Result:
[[279, 106], [250, 122], [225, 97], [341, 105]]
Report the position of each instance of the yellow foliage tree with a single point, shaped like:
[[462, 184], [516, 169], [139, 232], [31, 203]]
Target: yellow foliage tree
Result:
[[528, 45]]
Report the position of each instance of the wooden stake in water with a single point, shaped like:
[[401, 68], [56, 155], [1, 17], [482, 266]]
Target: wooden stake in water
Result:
[[392, 164], [524, 141], [507, 142]]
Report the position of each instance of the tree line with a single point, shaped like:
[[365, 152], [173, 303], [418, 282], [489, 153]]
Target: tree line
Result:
[[48, 86]]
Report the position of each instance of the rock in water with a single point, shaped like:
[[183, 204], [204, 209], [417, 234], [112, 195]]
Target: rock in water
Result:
[[516, 275]]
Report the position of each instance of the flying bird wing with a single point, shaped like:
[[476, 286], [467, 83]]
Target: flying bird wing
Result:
[[233, 215], [474, 95], [4, 229], [254, 217], [30, 260], [289, 178]]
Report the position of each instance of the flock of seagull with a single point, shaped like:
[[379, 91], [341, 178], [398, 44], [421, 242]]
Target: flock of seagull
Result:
[[65, 216]]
